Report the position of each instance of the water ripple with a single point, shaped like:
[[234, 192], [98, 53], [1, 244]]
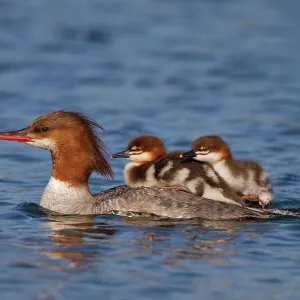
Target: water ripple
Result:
[[175, 69]]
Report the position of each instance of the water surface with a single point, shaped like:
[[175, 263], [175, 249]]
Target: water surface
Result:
[[176, 69]]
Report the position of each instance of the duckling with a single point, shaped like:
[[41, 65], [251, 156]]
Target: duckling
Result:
[[249, 179]]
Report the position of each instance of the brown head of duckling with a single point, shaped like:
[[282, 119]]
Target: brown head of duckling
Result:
[[143, 149], [210, 149]]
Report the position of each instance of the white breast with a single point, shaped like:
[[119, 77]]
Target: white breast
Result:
[[63, 198]]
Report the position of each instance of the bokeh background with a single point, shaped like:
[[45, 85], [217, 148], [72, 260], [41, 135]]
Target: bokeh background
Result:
[[178, 69]]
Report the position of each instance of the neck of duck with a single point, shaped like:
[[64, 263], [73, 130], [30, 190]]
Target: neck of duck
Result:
[[67, 190]]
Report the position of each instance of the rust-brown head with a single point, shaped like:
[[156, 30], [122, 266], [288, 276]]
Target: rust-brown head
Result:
[[73, 140], [143, 149], [210, 149]]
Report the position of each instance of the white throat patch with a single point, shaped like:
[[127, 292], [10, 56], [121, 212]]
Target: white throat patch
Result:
[[209, 158], [145, 156], [43, 143]]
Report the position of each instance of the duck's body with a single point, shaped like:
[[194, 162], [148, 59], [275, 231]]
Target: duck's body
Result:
[[77, 151], [248, 178], [66, 200]]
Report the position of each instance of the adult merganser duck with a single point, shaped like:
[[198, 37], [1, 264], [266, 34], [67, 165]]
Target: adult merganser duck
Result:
[[77, 151], [151, 165], [247, 178]]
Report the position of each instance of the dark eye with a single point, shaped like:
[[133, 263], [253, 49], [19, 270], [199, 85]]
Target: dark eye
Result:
[[203, 148], [45, 129]]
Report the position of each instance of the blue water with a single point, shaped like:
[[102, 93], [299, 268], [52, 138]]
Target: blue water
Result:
[[176, 69]]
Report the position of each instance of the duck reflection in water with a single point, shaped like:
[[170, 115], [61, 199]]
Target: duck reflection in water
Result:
[[69, 237], [213, 241], [79, 239]]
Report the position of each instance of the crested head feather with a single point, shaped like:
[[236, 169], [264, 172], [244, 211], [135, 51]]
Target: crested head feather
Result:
[[89, 132], [100, 150]]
